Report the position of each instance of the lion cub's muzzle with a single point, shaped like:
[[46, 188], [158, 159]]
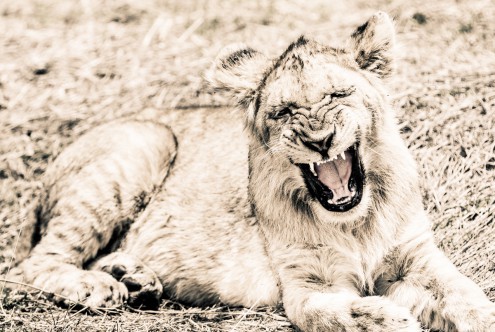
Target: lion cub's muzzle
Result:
[[335, 181]]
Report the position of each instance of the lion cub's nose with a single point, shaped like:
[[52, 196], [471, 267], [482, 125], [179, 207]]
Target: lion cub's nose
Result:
[[321, 146]]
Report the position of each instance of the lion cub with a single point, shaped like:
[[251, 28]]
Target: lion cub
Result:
[[315, 205]]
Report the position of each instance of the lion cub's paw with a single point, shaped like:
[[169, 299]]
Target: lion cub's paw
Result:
[[145, 289], [376, 314], [470, 317], [71, 286]]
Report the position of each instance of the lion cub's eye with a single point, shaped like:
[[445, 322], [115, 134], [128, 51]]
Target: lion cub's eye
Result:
[[283, 113], [343, 92]]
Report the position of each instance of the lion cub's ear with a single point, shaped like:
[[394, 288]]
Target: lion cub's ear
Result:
[[373, 44], [239, 70]]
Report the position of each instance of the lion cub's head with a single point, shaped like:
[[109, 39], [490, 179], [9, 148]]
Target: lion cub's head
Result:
[[316, 110]]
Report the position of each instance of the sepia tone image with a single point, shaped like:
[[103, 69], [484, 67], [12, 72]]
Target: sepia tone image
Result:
[[247, 165]]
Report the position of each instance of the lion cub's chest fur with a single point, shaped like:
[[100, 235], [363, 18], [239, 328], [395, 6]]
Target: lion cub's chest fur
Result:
[[343, 257]]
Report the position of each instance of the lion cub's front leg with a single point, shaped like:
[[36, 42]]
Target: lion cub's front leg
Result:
[[419, 276], [319, 294], [344, 311]]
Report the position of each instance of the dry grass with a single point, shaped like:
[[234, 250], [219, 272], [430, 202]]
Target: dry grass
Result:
[[66, 66]]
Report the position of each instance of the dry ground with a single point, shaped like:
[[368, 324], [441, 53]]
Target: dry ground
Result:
[[66, 66]]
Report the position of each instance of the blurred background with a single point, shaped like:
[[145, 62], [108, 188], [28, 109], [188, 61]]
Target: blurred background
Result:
[[66, 66]]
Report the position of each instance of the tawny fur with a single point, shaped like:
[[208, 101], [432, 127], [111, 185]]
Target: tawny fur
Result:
[[233, 221]]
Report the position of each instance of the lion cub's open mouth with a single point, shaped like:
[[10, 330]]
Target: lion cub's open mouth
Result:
[[337, 183]]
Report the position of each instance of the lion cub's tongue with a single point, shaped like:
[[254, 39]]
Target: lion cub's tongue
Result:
[[335, 175]]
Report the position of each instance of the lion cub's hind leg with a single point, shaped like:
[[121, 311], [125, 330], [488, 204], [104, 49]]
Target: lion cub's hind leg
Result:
[[93, 190], [143, 285]]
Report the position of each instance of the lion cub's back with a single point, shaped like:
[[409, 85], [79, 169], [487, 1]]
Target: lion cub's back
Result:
[[210, 173]]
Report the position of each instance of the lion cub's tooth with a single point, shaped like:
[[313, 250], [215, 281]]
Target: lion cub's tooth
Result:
[[312, 168], [342, 155]]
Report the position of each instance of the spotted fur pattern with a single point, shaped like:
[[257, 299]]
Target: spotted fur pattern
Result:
[[234, 222]]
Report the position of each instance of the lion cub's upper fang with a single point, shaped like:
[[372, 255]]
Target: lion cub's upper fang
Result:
[[312, 168]]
